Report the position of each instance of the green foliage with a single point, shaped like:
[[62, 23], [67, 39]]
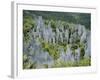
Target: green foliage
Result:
[[27, 63], [52, 49], [85, 62], [65, 24], [53, 24], [82, 51], [25, 58], [63, 64], [74, 46], [82, 62], [45, 65], [76, 18], [28, 24], [46, 22]]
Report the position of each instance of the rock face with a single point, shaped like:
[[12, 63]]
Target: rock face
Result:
[[75, 37]]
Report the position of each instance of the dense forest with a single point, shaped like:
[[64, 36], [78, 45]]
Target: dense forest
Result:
[[56, 39]]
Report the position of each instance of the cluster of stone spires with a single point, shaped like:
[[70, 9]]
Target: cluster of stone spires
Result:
[[62, 35]]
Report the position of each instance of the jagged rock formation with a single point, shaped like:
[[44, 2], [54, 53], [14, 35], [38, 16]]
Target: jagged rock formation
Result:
[[74, 37]]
